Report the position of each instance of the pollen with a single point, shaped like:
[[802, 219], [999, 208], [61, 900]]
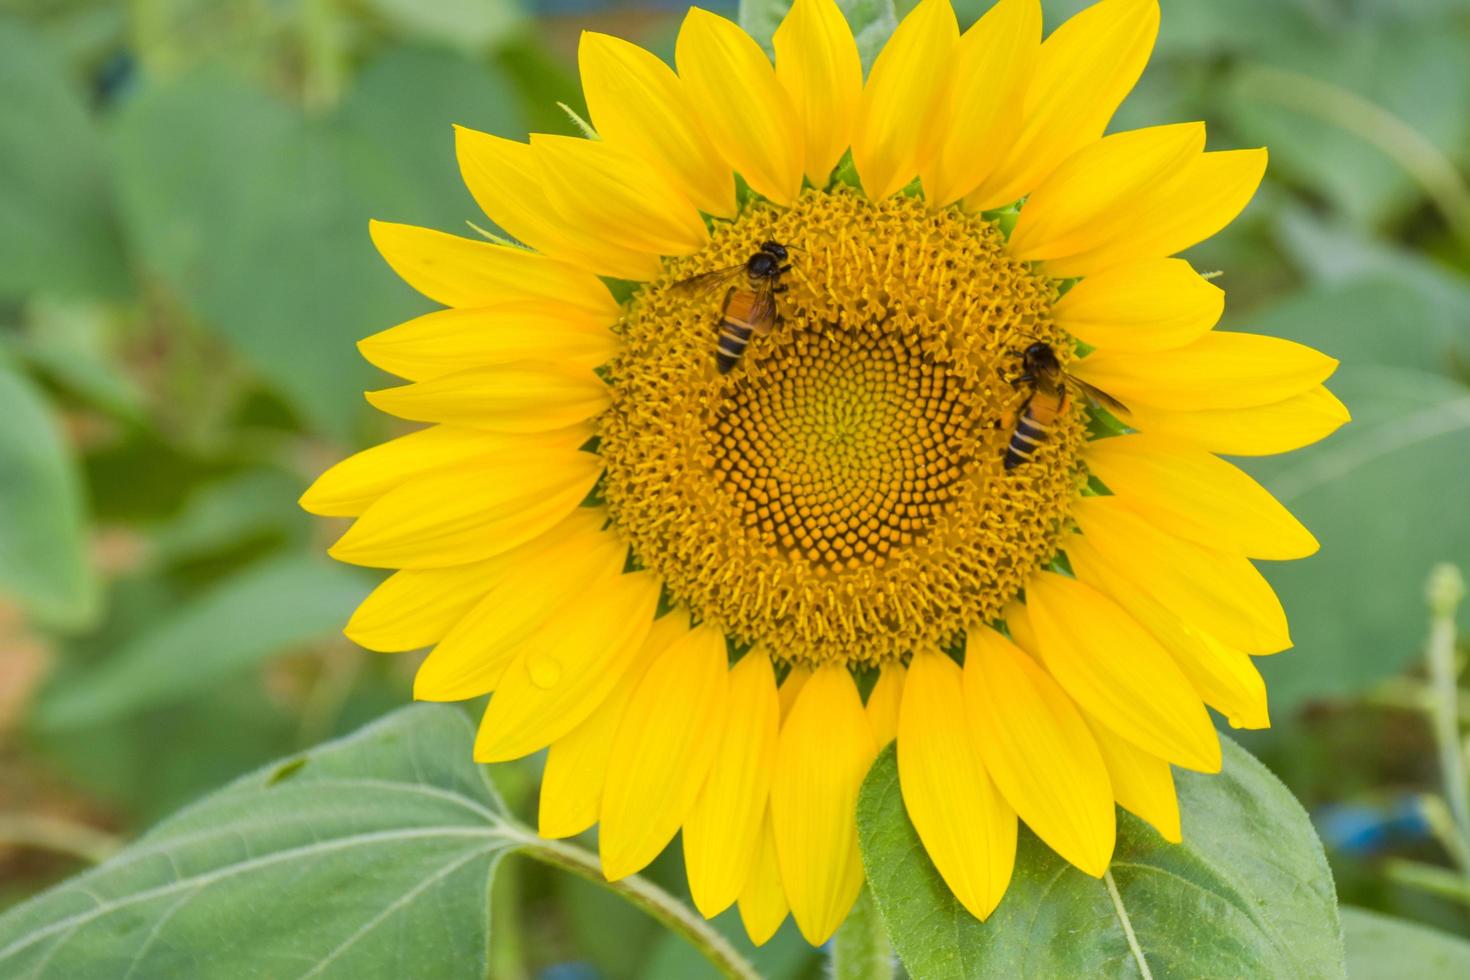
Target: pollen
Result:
[[839, 496]]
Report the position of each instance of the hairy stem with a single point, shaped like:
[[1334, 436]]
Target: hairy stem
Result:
[[668, 910], [860, 950], [1446, 590]]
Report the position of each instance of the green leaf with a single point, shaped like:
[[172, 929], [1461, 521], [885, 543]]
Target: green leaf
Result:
[[1248, 893], [1414, 71], [469, 24], [75, 345], [43, 540], [60, 235], [249, 506], [1392, 301], [365, 857], [1377, 494], [257, 216], [258, 613], [1382, 948], [871, 22]]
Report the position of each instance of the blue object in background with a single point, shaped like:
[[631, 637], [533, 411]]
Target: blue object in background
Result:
[[1366, 829]]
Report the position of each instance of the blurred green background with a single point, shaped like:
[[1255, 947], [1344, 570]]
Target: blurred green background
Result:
[[184, 267]]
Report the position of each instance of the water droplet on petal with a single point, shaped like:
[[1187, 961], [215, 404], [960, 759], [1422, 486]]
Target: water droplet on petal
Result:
[[544, 671]]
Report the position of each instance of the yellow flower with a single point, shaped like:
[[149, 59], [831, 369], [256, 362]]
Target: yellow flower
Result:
[[681, 581]]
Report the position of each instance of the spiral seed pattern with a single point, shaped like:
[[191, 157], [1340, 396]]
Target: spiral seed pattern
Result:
[[839, 496]]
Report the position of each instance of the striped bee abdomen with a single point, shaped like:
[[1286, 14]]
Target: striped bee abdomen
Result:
[[733, 338], [1030, 433]]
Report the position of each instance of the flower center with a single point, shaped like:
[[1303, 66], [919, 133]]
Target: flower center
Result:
[[839, 495]]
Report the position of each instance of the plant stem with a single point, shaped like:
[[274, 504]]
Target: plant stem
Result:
[[1428, 878], [1425, 162], [62, 836], [667, 909], [1446, 590], [860, 950]]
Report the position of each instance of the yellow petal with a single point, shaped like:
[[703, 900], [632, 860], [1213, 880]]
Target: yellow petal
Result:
[[1224, 678], [348, 488], [556, 683], [722, 833], [883, 702], [1229, 682], [437, 344], [458, 271], [1085, 69], [979, 111], [1152, 305], [825, 750], [506, 180], [538, 583], [636, 102], [1189, 207], [1143, 784], [576, 764], [470, 512], [1214, 591], [1198, 496], [1082, 202], [670, 735], [763, 899], [414, 608], [1039, 752], [818, 66], [1220, 370], [525, 396], [966, 826], [1018, 623], [1261, 430], [606, 191], [893, 137], [745, 111], [791, 686], [1116, 671]]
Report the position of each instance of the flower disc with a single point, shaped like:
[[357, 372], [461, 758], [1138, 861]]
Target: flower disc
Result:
[[839, 495]]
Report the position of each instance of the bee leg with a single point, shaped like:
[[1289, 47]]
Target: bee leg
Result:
[[781, 288], [785, 268]]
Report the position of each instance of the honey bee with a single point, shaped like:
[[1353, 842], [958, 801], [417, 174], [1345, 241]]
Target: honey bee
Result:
[[1050, 387], [747, 309]]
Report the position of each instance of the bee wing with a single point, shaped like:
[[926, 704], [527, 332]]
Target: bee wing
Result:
[[1098, 397], [707, 283], [763, 310]]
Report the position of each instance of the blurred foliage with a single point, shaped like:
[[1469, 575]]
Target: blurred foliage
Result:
[[184, 268]]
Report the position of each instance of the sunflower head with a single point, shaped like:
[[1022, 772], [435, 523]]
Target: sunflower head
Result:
[[679, 569]]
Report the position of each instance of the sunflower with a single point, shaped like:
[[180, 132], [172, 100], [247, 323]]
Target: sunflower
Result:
[[715, 596]]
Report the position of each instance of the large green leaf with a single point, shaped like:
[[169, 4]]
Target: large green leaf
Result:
[[43, 558], [1248, 893], [1380, 495], [1381, 948], [366, 857], [254, 614], [59, 235], [257, 216], [871, 22]]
